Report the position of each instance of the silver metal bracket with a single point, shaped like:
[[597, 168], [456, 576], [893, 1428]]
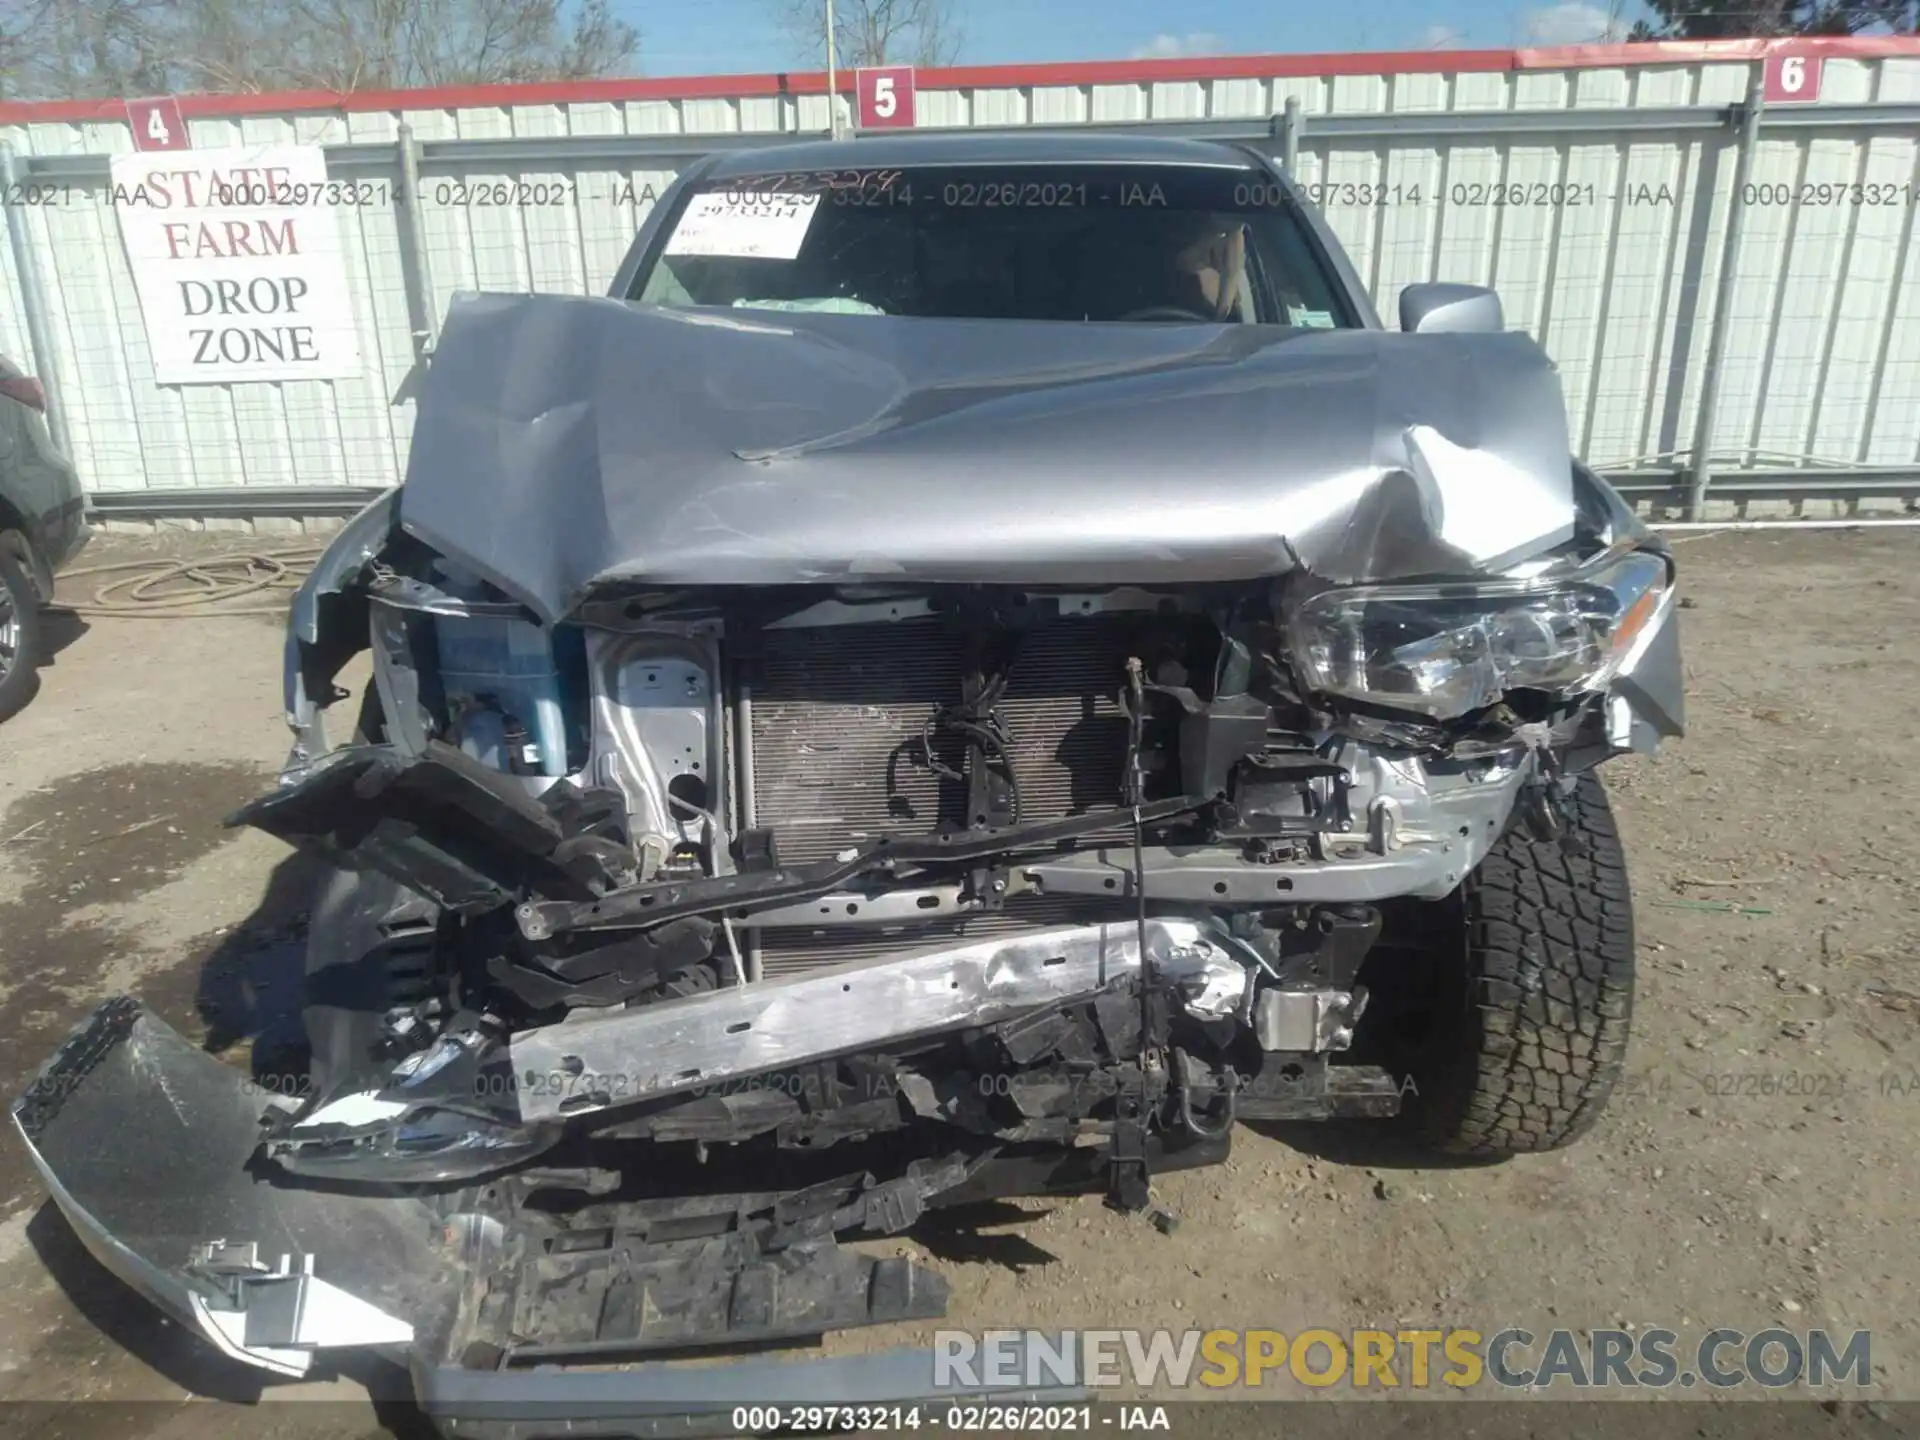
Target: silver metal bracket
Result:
[[1307, 1020], [279, 1317]]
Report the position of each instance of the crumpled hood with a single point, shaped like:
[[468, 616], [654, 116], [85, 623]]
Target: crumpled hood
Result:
[[562, 443]]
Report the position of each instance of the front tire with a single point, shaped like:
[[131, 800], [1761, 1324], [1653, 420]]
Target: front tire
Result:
[[19, 636], [1533, 992]]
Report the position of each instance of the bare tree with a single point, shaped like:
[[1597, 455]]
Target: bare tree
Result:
[[383, 44], [123, 47], [226, 46], [1738, 19], [873, 32], [16, 45], [85, 47]]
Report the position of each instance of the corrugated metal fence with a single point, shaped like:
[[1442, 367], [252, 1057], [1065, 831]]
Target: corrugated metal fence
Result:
[[1596, 194]]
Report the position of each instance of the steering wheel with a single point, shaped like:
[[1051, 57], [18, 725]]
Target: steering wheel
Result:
[[1168, 312]]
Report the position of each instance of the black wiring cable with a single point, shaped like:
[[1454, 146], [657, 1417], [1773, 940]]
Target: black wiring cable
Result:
[[1136, 791], [990, 738], [1136, 794]]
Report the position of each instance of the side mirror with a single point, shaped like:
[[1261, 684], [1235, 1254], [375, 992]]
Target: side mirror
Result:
[[1441, 305]]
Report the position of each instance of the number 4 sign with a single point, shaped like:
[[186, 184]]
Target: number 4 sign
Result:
[[1791, 76], [885, 97], [157, 124]]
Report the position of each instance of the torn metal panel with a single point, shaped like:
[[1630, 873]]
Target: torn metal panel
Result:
[[346, 555], [567, 442], [311, 659]]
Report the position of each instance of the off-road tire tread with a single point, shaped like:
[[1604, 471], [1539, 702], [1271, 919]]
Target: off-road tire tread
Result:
[[1550, 974]]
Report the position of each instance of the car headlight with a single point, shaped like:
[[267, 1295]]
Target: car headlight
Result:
[[1447, 650]]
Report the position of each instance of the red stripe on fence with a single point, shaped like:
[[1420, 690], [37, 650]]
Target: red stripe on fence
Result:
[[975, 77]]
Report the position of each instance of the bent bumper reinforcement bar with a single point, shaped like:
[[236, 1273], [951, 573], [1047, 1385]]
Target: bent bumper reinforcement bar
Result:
[[660, 1049]]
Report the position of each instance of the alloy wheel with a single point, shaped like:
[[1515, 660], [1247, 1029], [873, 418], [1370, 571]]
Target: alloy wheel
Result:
[[9, 630]]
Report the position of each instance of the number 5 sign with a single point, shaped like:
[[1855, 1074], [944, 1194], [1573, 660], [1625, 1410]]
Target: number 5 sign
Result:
[[885, 97], [1791, 76], [157, 124]]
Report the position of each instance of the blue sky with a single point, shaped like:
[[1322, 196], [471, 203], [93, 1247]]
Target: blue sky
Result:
[[687, 37]]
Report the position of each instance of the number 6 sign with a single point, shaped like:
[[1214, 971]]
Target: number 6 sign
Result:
[[1791, 76], [885, 97]]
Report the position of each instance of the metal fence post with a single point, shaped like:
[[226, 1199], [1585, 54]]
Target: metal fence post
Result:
[[1699, 460], [33, 299], [1290, 136], [422, 314]]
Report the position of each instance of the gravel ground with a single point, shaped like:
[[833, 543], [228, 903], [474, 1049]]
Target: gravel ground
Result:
[[1758, 1167]]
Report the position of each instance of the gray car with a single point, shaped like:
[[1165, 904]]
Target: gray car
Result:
[[978, 666], [42, 526]]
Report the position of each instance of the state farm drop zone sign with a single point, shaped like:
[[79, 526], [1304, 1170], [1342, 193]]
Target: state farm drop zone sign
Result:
[[236, 258]]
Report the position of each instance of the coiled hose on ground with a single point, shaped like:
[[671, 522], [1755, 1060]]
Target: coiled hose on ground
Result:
[[200, 587]]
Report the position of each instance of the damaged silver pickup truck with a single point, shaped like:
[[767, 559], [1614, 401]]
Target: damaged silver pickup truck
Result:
[[978, 666]]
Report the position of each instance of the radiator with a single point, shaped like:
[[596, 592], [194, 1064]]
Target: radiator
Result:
[[837, 758]]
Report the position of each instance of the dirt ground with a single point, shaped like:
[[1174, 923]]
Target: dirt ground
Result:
[[1759, 1167]]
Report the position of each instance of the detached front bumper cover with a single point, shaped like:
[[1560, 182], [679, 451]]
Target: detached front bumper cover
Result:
[[144, 1142]]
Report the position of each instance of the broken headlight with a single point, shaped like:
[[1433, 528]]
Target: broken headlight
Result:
[[1446, 650]]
